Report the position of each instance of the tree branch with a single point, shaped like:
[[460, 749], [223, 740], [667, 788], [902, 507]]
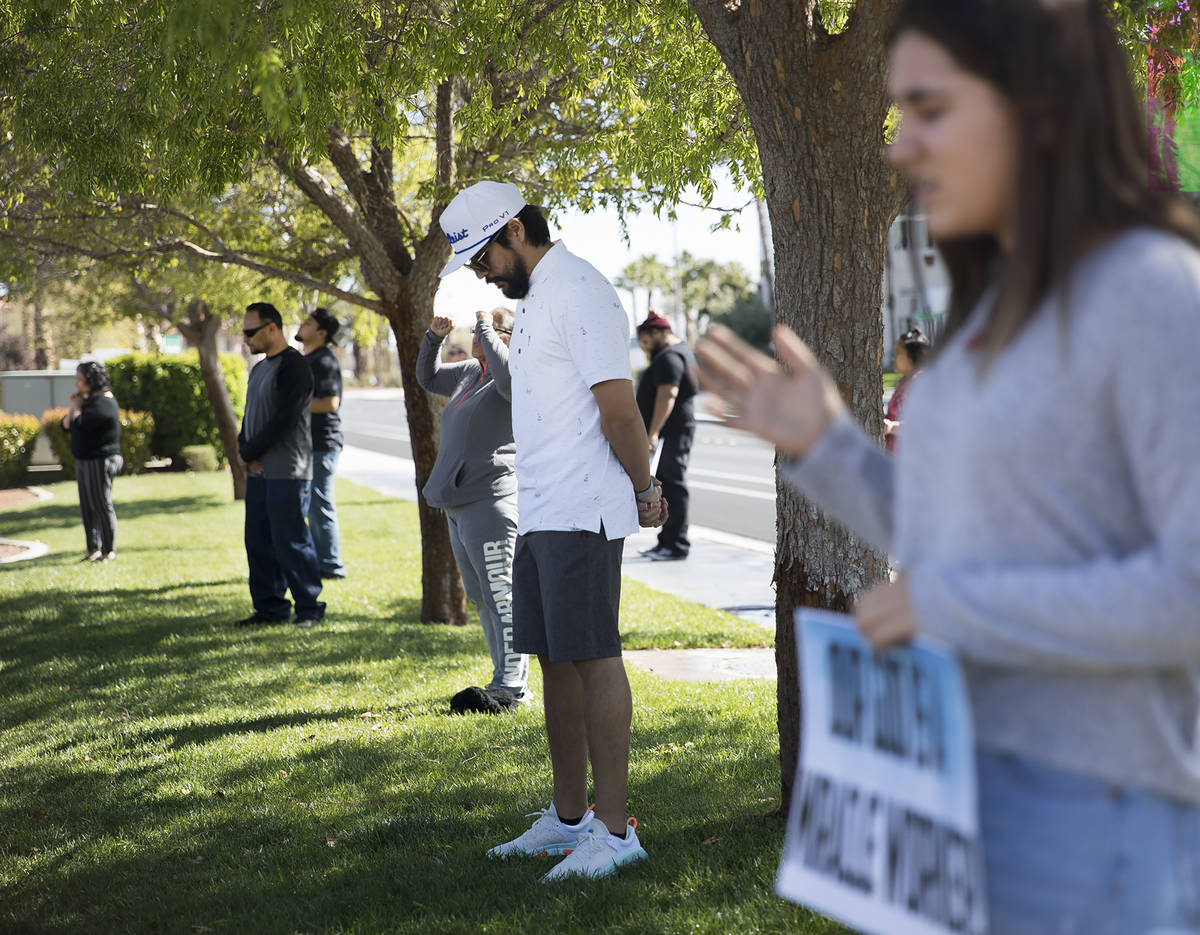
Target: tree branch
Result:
[[377, 267], [345, 160], [58, 247]]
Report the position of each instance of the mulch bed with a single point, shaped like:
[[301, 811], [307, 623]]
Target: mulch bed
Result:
[[15, 496], [8, 550]]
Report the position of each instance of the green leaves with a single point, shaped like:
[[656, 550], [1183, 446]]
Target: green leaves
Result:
[[603, 102]]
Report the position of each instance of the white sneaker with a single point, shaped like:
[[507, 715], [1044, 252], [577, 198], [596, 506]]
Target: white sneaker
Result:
[[599, 853], [548, 837]]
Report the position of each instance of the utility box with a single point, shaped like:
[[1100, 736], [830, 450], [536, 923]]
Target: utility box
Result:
[[31, 393]]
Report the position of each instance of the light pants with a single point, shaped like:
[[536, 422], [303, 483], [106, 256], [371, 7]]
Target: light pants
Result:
[[483, 535], [1070, 855], [322, 513]]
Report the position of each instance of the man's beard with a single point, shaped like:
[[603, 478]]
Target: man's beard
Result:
[[516, 281]]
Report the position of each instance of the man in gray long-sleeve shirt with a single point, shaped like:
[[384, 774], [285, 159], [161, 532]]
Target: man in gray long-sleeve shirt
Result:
[[275, 446], [474, 483]]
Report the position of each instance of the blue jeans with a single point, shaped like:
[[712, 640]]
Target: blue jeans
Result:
[[1070, 855], [322, 514], [279, 549]]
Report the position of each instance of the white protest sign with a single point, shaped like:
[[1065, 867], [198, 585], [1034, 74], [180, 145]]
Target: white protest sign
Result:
[[883, 828]]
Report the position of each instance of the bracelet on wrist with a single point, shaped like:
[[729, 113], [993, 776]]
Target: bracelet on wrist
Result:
[[645, 494]]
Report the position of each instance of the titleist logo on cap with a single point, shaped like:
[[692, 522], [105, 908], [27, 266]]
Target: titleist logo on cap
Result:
[[456, 236]]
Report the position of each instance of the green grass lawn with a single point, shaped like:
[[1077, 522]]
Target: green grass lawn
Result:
[[163, 772]]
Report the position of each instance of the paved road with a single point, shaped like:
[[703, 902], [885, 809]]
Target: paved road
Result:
[[732, 475]]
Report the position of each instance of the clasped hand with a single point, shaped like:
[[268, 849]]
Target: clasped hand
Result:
[[653, 512]]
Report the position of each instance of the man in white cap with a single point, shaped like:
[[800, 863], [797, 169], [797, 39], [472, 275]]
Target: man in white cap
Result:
[[583, 485]]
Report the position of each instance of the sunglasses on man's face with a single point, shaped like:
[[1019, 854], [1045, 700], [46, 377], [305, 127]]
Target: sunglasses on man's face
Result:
[[479, 262], [251, 332]]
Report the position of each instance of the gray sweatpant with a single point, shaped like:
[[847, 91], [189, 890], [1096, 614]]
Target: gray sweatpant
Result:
[[483, 535]]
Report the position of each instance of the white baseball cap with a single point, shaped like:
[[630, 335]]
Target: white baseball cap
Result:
[[474, 217]]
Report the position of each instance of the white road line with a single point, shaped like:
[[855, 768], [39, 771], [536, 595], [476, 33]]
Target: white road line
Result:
[[389, 434], [725, 475], [728, 538], [732, 491]]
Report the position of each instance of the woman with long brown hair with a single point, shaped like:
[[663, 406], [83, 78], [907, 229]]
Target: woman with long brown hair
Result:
[[1059, 552]]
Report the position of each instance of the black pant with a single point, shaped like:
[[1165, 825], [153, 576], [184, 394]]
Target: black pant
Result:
[[279, 549], [94, 477], [672, 471]]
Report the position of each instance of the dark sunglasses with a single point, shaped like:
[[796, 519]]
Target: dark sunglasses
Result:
[[503, 330], [251, 332], [479, 262]]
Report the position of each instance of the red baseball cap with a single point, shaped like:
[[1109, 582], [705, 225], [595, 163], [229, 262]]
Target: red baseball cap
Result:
[[654, 320]]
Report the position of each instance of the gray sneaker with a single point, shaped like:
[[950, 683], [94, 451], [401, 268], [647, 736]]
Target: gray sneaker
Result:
[[547, 837]]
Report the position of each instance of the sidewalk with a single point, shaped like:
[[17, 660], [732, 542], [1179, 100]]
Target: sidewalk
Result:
[[723, 571]]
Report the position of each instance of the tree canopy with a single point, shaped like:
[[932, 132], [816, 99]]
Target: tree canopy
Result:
[[376, 114]]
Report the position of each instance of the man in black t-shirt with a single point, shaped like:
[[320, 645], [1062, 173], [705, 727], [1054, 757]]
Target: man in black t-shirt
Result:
[[664, 397], [316, 333]]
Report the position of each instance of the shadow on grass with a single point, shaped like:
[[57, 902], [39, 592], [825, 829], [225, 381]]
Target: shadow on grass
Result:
[[172, 649], [57, 515], [161, 771], [266, 844]]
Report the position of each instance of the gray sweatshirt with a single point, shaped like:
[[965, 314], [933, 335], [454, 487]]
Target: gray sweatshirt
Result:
[[477, 456], [1047, 517]]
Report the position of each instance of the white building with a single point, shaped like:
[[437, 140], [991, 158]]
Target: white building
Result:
[[916, 287]]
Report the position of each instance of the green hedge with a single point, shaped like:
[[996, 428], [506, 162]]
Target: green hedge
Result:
[[200, 458], [18, 434], [137, 431], [172, 390]]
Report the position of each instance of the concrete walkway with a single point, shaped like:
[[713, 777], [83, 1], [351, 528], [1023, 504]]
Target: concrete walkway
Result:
[[723, 571]]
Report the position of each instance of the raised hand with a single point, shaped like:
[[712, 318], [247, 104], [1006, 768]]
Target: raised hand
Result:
[[789, 407], [441, 326]]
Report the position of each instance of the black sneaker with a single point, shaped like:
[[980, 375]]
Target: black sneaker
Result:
[[663, 554], [333, 575], [476, 700], [257, 620]]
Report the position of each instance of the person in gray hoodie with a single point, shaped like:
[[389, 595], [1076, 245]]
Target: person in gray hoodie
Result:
[[474, 483], [1058, 549]]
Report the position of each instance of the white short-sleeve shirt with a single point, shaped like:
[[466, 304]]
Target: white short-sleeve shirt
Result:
[[570, 333]]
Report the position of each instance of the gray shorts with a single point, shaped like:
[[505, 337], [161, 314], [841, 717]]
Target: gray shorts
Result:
[[567, 595]]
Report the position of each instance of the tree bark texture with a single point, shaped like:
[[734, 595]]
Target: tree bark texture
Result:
[[817, 104], [442, 595], [401, 269], [200, 328]]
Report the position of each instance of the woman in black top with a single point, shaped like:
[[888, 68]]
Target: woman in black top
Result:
[[95, 426]]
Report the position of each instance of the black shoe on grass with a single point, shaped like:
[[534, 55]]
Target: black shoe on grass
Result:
[[258, 620]]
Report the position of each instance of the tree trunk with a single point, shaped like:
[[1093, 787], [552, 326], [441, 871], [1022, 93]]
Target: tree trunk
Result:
[[817, 104], [442, 596], [27, 333], [44, 357], [201, 329]]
